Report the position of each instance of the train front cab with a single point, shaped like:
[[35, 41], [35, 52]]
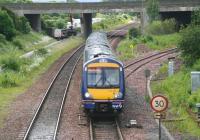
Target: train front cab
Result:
[[103, 86]]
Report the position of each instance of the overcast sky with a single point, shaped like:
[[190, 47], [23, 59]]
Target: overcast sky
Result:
[[65, 0]]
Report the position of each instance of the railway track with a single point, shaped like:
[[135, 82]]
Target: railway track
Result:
[[45, 122], [105, 129], [148, 59]]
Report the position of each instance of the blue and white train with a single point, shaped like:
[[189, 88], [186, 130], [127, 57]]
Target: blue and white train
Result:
[[103, 82]]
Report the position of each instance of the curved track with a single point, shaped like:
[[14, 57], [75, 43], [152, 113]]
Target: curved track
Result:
[[46, 119], [147, 60]]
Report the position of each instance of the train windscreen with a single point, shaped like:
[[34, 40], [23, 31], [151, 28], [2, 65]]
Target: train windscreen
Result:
[[103, 77]]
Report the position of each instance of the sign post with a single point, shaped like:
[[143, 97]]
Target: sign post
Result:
[[159, 104], [147, 74], [132, 47]]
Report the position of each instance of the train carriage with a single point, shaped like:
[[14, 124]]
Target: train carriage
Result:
[[103, 85]]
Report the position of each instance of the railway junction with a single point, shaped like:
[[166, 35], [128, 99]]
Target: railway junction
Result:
[[60, 115], [52, 108]]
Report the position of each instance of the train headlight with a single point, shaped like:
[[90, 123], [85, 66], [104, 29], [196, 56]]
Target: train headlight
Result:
[[87, 95], [118, 95]]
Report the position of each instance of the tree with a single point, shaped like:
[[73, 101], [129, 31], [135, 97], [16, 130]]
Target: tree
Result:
[[23, 25], [195, 19], [7, 27], [190, 44], [153, 10]]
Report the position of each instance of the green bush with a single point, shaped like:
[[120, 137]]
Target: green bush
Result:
[[23, 25], [60, 24], [18, 44], [134, 33], [11, 63], [153, 9], [7, 81], [5, 20], [195, 19], [169, 26], [162, 27], [193, 99], [41, 51], [2, 39], [190, 44]]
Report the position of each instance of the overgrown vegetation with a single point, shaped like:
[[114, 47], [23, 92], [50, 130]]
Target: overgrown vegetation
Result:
[[8, 31], [16, 24], [178, 87], [54, 20], [190, 44], [153, 10], [158, 27], [111, 21], [17, 75], [160, 35]]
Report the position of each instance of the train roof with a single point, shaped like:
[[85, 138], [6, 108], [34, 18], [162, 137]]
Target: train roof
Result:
[[97, 46]]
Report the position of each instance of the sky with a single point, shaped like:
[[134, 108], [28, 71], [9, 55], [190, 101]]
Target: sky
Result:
[[65, 0]]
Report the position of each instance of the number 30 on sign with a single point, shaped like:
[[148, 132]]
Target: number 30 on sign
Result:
[[159, 103]]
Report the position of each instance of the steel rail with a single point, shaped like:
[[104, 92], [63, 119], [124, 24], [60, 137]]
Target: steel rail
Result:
[[159, 55], [63, 100], [118, 130], [46, 94], [103, 124], [166, 51]]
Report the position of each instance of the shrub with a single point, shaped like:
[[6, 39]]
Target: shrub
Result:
[[193, 99], [195, 19], [189, 44], [23, 25], [11, 63], [8, 31], [153, 9], [2, 39], [134, 33], [8, 81], [169, 26], [162, 27], [18, 44], [41, 51], [60, 24]]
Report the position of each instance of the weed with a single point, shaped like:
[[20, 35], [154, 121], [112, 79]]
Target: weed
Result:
[[18, 44], [41, 51], [11, 63], [7, 81]]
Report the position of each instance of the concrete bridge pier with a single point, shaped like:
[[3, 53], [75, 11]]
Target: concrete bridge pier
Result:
[[144, 20], [87, 24], [35, 21]]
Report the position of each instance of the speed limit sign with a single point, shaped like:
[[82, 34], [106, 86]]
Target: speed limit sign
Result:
[[159, 103]]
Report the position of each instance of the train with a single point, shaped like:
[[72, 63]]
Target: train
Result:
[[61, 33], [103, 82]]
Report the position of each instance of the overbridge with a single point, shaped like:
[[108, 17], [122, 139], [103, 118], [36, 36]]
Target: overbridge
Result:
[[33, 10]]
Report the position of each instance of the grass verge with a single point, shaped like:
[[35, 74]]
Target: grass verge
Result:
[[24, 80], [177, 89], [154, 42]]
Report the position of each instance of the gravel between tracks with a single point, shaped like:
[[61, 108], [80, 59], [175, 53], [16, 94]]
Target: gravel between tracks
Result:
[[137, 108], [24, 106]]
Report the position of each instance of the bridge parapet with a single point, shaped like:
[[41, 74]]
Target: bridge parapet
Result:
[[135, 6]]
